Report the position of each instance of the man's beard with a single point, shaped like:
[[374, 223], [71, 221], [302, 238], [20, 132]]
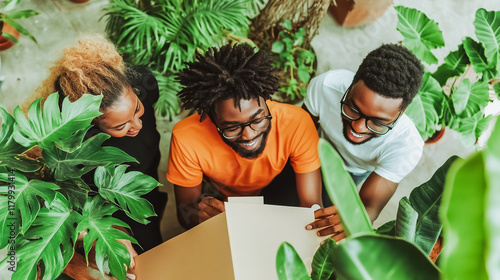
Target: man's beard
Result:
[[249, 154], [346, 126]]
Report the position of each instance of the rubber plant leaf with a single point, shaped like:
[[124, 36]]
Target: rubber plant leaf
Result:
[[487, 31], [342, 191], [427, 106], [55, 126], [289, 265], [98, 223], [454, 65], [322, 264], [50, 240], [475, 52], [84, 159], [26, 196], [420, 33], [125, 189], [492, 203], [470, 98], [381, 257], [10, 150]]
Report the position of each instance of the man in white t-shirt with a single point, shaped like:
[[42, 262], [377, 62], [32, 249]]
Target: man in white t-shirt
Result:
[[362, 115]]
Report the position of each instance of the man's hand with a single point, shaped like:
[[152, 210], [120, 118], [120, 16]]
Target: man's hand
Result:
[[329, 221], [209, 207]]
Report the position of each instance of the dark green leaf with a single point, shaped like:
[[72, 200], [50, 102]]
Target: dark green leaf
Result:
[[496, 87], [475, 51], [54, 126], [381, 257], [87, 157], [455, 63], [388, 228], [76, 191], [420, 33], [487, 26], [23, 14], [342, 191], [98, 222], [168, 103], [50, 240], [289, 265], [322, 265], [125, 189]]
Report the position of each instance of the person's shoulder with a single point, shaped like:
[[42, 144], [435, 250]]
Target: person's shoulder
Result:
[[336, 76], [190, 127], [406, 132]]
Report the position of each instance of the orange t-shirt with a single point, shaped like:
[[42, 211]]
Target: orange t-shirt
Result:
[[197, 149]]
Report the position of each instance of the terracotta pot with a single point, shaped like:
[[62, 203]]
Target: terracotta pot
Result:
[[436, 250], [435, 137], [4, 42], [351, 13]]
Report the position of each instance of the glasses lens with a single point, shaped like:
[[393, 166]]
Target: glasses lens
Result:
[[376, 127], [260, 124], [232, 132], [350, 112]]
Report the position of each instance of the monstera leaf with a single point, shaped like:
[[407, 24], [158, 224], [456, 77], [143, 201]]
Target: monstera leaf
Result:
[[453, 66], [427, 106], [125, 189], [50, 240], [289, 265], [469, 99], [87, 157], [25, 199], [10, 150], [420, 33], [475, 51], [98, 222], [76, 191], [487, 26], [55, 126]]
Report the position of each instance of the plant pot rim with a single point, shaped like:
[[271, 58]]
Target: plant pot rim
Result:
[[435, 137]]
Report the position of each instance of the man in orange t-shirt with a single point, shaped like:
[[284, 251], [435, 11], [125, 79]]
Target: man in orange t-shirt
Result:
[[244, 145]]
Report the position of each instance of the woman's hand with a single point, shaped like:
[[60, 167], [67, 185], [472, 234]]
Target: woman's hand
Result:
[[328, 220], [133, 254]]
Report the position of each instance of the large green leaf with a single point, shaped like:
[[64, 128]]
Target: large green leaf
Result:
[[97, 221], [471, 128], [168, 103], [342, 191], [406, 220], [65, 128], [125, 189], [427, 106], [10, 150], [475, 52], [454, 65], [85, 158], [50, 240], [322, 264], [76, 191], [420, 33], [381, 257], [25, 198], [487, 26], [289, 265], [469, 99]]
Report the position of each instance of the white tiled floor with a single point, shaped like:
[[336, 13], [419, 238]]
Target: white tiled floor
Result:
[[26, 65]]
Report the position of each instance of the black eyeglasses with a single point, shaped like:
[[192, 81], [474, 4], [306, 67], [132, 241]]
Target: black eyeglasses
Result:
[[371, 123], [236, 130]]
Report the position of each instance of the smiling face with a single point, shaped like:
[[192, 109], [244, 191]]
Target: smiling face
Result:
[[250, 143], [122, 118], [369, 103]]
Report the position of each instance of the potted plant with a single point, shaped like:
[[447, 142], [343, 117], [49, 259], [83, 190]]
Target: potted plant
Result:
[[456, 94], [9, 28], [164, 35], [46, 204]]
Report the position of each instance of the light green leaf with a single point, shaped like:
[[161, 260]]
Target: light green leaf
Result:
[[406, 220], [168, 103], [342, 191], [19, 28], [97, 220], [469, 99], [278, 47], [10, 4], [125, 189], [64, 128], [454, 65], [322, 265], [10, 150], [23, 14], [472, 127], [85, 158], [381, 257], [289, 265], [487, 26], [50, 240], [420, 33], [475, 51], [25, 197]]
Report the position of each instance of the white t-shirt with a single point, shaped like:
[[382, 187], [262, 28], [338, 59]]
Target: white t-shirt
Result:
[[392, 156]]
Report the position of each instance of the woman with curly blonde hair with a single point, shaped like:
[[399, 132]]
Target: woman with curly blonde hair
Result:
[[93, 66]]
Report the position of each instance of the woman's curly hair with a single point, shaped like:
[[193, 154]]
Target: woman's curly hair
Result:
[[237, 72], [93, 66], [392, 71]]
